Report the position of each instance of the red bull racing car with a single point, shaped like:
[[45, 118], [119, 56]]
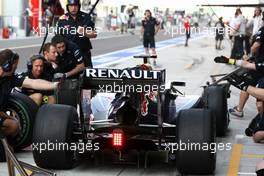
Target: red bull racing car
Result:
[[143, 115]]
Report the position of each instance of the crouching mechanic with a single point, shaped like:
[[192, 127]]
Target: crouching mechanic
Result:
[[69, 60], [36, 71], [258, 93], [8, 80]]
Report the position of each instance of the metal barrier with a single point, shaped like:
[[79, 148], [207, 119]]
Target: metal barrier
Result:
[[13, 162]]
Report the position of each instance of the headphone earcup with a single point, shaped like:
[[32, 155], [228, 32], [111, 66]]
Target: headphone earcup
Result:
[[29, 65], [7, 67]]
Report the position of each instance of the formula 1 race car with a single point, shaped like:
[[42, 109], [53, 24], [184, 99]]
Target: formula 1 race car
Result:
[[144, 115]]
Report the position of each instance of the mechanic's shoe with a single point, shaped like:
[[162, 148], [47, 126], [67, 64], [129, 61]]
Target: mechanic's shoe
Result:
[[249, 132], [253, 125], [234, 111]]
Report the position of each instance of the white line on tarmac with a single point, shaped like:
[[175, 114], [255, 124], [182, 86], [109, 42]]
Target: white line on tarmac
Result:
[[26, 46], [38, 45], [246, 173], [129, 57]]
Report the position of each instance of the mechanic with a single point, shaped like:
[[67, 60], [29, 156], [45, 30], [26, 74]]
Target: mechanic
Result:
[[246, 83], [257, 50], [50, 54], [36, 71], [69, 60], [243, 97], [187, 27], [220, 31], [258, 65], [252, 28], [78, 27], [8, 80], [240, 30], [256, 126], [150, 27]]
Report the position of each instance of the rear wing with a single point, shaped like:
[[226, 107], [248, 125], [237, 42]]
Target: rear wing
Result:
[[95, 78]]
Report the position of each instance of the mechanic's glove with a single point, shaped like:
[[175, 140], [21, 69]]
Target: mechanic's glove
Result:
[[225, 60], [60, 75], [56, 85], [241, 82]]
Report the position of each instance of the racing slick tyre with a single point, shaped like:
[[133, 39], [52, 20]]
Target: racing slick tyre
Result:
[[68, 93], [195, 133], [52, 136], [169, 107], [217, 103], [25, 110]]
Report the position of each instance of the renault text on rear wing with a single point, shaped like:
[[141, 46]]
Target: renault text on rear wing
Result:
[[97, 78]]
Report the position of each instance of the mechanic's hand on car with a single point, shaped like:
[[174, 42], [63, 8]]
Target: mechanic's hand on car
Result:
[[225, 60], [250, 59], [60, 75], [241, 82]]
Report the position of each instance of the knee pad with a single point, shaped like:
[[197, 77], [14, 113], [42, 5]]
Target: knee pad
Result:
[[45, 99]]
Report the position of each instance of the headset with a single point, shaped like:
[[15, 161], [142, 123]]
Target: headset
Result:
[[7, 65], [34, 58]]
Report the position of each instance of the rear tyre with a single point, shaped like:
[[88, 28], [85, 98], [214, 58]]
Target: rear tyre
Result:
[[68, 93], [169, 107], [195, 127], [25, 110], [217, 103], [54, 126]]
